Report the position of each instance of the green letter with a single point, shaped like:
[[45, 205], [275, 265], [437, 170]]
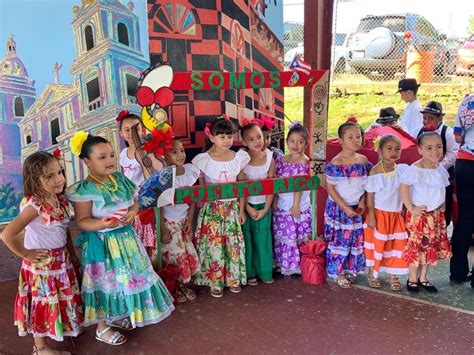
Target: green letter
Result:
[[279, 186], [236, 82], [255, 188], [196, 82], [227, 191], [300, 183], [221, 80], [181, 194], [200, 196], [252, 79], [275, 79], [212, 192]]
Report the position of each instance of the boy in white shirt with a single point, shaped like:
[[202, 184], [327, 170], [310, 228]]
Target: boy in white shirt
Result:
[[412, 120]]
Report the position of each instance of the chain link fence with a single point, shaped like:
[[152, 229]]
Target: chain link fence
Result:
[[378, 42]]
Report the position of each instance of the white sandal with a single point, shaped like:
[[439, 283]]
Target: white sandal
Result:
[[114, 338], [124, 324]]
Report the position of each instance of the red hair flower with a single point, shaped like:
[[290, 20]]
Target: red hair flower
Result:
[[161, 141], [57, 153], [352, 119], [267, 122], [247, 121], [122, 115], [207, 130]]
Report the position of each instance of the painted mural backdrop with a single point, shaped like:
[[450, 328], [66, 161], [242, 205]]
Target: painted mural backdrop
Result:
[[108, 61]]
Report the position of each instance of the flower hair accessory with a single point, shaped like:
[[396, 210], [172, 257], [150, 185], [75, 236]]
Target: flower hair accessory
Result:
[[377, 142], [295, 123], [224, 117], [247, 121], [122, 115], [207, 129], [160, 141], [352, 119], [57, 153], [77, 142], [267, 122]]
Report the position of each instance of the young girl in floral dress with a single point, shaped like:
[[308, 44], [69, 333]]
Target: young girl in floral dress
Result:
[[48, 302], [292, 215], [219, 239], [144, 222], [177, 225], [119, 287], [346, 176], [385, 235], [423, 192], [257, 228]]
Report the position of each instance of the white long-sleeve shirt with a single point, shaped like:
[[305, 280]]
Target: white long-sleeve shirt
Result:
[[412, 118], [451, 147]]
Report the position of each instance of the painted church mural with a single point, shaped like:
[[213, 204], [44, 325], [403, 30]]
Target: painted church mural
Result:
[[202, 35]]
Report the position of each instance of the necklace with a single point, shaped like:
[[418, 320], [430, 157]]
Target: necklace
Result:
[[389, 174], [57, 205], [106, 185]]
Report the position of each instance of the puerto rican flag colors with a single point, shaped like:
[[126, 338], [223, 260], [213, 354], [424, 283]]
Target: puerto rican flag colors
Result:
[[300, 65]]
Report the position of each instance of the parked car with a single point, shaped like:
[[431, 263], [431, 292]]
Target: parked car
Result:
[[338, 63], [465, 58], [379, 46]]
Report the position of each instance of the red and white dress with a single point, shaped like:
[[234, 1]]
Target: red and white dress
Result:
[[180, 250], [48, 302], [427, 236], [384, 245]]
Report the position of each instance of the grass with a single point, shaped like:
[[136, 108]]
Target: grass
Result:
[[354, 95]]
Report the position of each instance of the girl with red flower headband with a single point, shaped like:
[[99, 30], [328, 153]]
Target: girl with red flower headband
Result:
[[48, 303], [267, 125], [219, 239], [144, 223], [258, 225]]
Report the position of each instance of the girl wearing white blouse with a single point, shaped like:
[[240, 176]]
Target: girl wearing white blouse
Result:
[[423, 192]]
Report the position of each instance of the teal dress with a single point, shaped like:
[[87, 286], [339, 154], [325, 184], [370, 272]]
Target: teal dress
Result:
[[118, 279]]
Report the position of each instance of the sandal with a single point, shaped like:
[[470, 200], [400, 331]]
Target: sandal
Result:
[[38, 350], [373, 282], [252, 282], [235, 289], [395, 284], [124, 324], [190, 294], [269, 281], [115, 339], [428, 286], [351, 278], [216, 293], [181, 297], [412, 286], [343, 283]]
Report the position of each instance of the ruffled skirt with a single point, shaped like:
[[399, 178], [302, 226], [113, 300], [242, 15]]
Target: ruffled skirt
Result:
[[124, 284], [48, 302]]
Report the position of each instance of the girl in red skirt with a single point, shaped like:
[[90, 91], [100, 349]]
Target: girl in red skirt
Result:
[[423, 193], [48, 302]]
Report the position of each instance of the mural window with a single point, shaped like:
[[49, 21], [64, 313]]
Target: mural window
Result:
[[55, 130], [132, 85], [175, 18], [93, 94], [89, 37], [123, 34], [19, 108], [27, 134]]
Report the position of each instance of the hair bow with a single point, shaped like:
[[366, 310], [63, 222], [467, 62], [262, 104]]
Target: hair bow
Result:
[[267, 122], [77, 141], [122, 115], [57, 153], [352, 119], [207, 129], [247, 121], [377, 142], [295, 123]]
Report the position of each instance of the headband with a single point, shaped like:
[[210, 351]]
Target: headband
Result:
[[122, 115]]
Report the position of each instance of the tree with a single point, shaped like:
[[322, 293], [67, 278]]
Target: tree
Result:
[[9, 202], [471, 25]]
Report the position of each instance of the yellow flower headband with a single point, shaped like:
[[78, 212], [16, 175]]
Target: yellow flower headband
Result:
[[77, 141], [377, 142]]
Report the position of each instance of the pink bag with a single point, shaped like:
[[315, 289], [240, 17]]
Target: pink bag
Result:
[[313, 262]]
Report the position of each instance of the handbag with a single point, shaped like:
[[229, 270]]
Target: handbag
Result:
[[313, 262]]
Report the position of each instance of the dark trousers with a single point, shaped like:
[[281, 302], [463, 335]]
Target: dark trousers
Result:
[[462, 235], [448, 204]]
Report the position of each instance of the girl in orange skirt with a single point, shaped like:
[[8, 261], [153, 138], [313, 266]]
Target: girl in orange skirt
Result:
[[423, 193], [385, 233]]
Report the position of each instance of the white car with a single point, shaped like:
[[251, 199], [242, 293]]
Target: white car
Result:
[[339, 52]]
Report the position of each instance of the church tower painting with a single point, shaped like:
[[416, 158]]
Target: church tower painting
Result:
[[17, 94]]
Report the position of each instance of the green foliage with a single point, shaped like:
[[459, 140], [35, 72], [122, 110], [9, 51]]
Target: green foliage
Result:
[[470, 28], [9, 202]]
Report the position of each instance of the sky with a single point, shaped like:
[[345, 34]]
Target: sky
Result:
[[451, 19]]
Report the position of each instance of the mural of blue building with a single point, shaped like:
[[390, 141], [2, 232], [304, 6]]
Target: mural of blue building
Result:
[[17, 94], [105, 71]]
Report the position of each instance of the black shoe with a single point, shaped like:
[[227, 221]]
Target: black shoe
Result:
[[428, 286], [412, 287], [460, 281]]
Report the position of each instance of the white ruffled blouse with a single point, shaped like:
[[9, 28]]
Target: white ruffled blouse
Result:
[[253, 172], [178, 212], [386, 189], [428, 186], [221, 171]]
